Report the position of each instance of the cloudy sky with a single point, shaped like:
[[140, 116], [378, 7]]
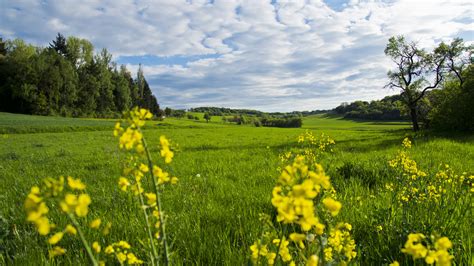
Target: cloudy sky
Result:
[[266, 55]]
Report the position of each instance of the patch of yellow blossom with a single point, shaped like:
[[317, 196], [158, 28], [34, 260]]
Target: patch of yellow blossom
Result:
[[419, 247], [416, 186], [121, 251], [340, 243], [299, 189]]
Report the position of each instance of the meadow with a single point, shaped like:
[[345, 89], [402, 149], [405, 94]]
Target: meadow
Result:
[[226, 174]]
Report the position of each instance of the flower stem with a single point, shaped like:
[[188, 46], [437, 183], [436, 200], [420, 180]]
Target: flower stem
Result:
[[150, 234], [158, 200], [83, 239]]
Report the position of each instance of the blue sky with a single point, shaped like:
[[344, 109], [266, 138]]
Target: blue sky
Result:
[[269, 55]]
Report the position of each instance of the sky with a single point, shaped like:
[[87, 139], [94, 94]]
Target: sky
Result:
[[266, 55]]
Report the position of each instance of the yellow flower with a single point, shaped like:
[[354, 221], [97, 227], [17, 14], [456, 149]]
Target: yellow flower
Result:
[[151, 198], [56, 251], [174, 180], [132, 259], [443, 243], [96, 247], [121, 257], [82, 207], [395, 263], [414, 247], [165, 149], [55, 238], [109, 249], [69, 202], [43, 226], [271, 258], [95, 223], [144, 168], [75, 183], [123, 183], [123, 244], [313, 261], [328, 254], [298, 238], [319, 228], [406, 143], [118, 129], [332, 205], [379, 228], [70, 229]]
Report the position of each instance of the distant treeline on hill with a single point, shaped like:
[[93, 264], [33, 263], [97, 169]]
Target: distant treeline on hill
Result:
[[389, 108], [219, 111], [68, 79]]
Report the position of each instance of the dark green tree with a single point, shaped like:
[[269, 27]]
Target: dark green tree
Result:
[[414, 67]]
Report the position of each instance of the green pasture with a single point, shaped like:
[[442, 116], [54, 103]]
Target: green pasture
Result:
[[226, 175]]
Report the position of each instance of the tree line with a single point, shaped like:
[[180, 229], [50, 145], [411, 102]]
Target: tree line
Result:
[[67, 78]]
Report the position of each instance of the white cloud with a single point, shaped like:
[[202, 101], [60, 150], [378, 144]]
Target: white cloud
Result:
[[291, 55]]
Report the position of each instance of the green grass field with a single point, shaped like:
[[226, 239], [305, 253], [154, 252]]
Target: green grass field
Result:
[[226, 174]]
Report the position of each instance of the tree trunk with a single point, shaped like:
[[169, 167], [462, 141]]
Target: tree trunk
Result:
[[414, 118]]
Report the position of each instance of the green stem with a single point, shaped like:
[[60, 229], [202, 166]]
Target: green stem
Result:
[[83, 239], [158, 200], [150, 234]]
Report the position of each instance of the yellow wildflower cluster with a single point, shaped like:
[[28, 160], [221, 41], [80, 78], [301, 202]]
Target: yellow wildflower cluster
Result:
[[416, 186], [340, 243], [408, 166], [323, 143], [310, 146], [71, 200], [299, 187], [294, 194], [132, 139], [121, 251], [73, 204], [419, 247]]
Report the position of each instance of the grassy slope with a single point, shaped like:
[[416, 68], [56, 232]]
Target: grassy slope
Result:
[[214, 217]]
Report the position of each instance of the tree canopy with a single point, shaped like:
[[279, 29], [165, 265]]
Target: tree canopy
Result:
[[68, 79]]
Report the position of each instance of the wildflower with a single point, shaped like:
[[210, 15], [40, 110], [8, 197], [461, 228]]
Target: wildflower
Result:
[[271, 258], [121, 257], [151, 198], [82, 207], [55, 238], [132, 259], [95, 223], [165, 150], [43, 226], [406, 143], [258, 250], [56, 251], [414, 247], [312, 261], [70, 229], [144, 168], [109, 249], [75, 183], [379, 228], [443, 243], [123, 183], [332, 205], [328, 254], [395, 263], [298, 238], [123, 244], [96, 247]]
